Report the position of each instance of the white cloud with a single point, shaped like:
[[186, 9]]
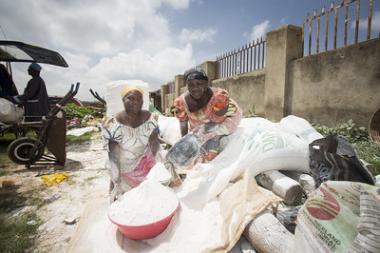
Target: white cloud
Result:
[[137, 64], [259, 30], [101, 41], [363, 22], [197, 35], [178, 4]]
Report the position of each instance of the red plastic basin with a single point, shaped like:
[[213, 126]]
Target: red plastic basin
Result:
[[145, 231]]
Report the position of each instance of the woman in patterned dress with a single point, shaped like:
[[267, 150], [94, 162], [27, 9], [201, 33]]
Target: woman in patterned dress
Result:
[[208, 115], [131, 139]]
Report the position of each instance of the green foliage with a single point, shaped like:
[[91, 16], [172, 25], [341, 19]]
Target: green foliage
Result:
[[8, 137], [79, 139], [358, 137], [347, 129], [74, 111], [4, 161], [369, 152]]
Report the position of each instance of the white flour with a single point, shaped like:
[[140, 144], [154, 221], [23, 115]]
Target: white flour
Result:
[[159, 173], [145, 204]]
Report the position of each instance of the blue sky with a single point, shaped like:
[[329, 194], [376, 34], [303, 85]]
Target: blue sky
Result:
[[233, 21], [149, 40]]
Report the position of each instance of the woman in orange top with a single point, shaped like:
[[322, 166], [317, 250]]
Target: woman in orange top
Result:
[[208, 114]]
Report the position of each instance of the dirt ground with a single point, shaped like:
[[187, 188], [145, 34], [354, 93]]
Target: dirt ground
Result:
[[60, 206]]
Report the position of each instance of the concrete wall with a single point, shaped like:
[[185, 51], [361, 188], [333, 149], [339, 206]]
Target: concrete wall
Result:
[[247, 90], [337, 85], [283, 45], [326, 88]]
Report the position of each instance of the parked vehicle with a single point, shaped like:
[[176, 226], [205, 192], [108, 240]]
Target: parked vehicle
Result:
[[51, 129]]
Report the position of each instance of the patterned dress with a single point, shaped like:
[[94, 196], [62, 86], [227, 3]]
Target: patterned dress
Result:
[[208, 124], [129, 167]]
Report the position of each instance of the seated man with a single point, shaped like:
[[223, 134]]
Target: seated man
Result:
[[208, 115], [35, 98]]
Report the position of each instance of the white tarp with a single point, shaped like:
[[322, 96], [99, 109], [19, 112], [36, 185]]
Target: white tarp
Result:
[[217, 199], [258, 145], [214, 227]]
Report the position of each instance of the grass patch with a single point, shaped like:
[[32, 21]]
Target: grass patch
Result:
[[9, 137], [3, 172], [370, 152], [4, 161], [10, 199], [79, 139], [34, 197], [17, 234]]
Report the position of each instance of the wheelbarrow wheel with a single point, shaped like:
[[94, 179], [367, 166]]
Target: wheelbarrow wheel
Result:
[[19, 151]]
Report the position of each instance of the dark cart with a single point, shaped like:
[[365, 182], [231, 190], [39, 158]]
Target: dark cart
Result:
[[51, 130], [51, 135]]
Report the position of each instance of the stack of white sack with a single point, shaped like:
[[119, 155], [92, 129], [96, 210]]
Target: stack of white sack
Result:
[[9, 112], [113, 97], [170, 131], [258, 145]]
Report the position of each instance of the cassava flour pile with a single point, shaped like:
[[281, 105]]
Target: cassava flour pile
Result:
[[159, 174], [145, 204]]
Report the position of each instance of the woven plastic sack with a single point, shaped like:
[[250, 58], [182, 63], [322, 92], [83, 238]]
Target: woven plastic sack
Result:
[[9, 112], [340, 217], [258, 145]]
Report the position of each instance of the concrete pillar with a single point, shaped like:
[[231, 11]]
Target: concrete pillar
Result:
[[211, 69], [183, 89], [283, 46], [179, 82], [164, 91]]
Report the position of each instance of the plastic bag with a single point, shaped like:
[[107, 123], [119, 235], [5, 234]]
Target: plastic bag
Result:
[[9, 112], [300, 127], [184, 151], [333, 158], [54, 179], [169, 129], [259, 146]]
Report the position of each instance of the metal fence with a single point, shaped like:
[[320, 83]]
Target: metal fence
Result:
[[248, 58], [332, 26]]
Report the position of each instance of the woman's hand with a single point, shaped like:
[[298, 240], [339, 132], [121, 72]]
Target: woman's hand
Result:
[[154, 141]]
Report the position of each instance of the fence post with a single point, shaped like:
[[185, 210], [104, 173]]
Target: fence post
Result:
[[211, 69], [179, 82], [283, 45], [164, 92]]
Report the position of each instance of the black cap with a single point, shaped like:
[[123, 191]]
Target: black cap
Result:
[[195, 74]]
